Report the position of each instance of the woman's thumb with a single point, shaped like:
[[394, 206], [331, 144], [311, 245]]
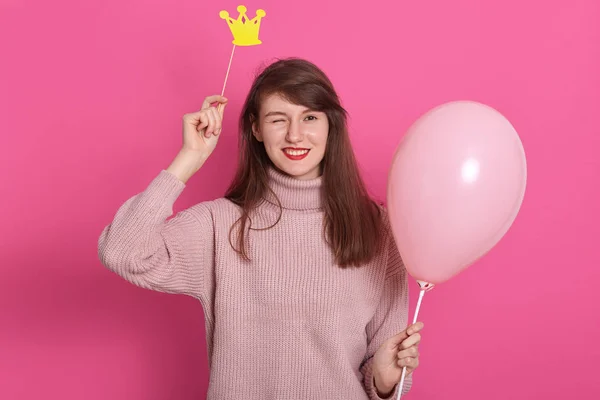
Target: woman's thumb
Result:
[[221, 109]]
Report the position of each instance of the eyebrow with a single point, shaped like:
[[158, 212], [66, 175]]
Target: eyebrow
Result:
[[272, 113]]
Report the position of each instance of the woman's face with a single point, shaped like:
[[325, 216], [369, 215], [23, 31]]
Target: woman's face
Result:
[[294, 136]]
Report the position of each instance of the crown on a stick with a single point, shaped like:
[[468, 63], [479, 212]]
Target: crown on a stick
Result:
[[244, 30]]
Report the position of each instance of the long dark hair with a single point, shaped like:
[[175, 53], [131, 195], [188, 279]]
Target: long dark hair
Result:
[[352, 219]]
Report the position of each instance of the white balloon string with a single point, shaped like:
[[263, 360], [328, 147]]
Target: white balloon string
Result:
[[423, 290]]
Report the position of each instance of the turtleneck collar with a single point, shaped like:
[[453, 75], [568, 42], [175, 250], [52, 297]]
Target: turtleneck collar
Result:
[[294, 194]]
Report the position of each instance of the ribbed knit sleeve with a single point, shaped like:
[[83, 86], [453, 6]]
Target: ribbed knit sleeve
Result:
[[148, 249], [391, 317]]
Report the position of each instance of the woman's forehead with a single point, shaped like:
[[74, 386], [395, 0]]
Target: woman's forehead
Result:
[[275, 103]]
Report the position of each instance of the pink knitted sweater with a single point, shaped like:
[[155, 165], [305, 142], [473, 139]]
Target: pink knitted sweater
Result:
[[289, 324]]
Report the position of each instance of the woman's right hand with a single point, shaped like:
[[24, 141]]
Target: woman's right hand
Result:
[[201, 131]]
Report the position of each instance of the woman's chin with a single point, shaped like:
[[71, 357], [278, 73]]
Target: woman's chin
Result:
[[299, 171]]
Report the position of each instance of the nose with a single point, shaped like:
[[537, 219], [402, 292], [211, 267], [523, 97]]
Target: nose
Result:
[[294, 134]]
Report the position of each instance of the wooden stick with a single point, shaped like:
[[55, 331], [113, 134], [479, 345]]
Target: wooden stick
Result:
[[226, 76]]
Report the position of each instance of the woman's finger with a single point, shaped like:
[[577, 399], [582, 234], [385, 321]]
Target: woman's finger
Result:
[[414, 328], [408, 362], [192, 118], [405, 362], [217, 117], [221, 109], [211, 123], [203, 121], [412, 352], [212, 99], [412, 340]]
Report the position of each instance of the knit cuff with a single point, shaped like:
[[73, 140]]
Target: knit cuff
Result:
[[372, 390], [167, 186]]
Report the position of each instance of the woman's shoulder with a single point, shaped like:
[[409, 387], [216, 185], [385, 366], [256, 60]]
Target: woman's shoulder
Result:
[[218, 206]]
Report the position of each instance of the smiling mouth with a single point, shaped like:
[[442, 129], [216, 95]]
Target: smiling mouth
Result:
[[295, 154]]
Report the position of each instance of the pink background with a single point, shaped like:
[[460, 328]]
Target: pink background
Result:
[[92, 95]]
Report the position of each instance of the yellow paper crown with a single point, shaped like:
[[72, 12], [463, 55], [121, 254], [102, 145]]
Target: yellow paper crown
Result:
[[244, 30]]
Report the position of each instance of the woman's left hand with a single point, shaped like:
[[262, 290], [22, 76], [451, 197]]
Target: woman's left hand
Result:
[[401, 350]]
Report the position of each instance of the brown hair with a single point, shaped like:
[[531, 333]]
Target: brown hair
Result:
[[352, 219]]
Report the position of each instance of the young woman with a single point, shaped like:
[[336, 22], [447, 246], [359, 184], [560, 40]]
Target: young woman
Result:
[[303, 288]]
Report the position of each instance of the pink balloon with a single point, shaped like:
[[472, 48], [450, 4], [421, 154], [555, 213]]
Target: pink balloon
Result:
[[455, 186]]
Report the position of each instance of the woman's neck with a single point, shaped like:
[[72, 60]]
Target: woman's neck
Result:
[[293, 193]]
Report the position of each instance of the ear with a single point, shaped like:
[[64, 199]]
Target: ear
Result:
[[256, 130]]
